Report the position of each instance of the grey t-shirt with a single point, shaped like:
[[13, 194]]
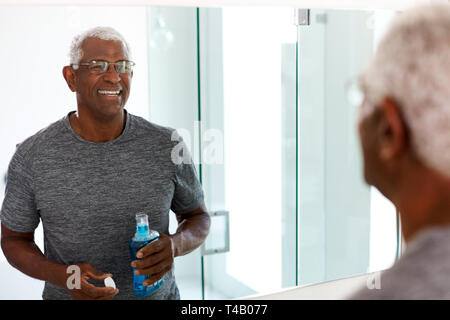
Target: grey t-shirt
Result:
[[87, 195], [423, 271]]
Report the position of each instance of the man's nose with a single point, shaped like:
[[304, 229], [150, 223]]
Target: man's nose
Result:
[[111, 74]]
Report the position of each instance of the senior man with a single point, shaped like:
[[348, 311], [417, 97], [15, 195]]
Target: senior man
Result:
[[405, 135], [88, 174]]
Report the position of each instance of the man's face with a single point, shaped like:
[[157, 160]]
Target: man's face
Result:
[[92, 89]]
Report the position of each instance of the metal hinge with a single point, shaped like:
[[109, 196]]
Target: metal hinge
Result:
[[301, 17], [218, 240]]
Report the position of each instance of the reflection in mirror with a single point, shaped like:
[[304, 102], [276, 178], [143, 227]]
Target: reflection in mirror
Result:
[[272, 97], [35, 42]]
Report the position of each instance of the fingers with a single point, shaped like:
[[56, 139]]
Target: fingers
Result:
[[150, 249], [156, 260], [93, 273], [155, 268], [155, 277], [97, 292], [164, 243], [108, 297], [90, 291], [98, 276], [158, 252], [152, 260]]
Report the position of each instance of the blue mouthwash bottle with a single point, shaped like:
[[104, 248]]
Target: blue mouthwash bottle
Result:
[[143, 237]]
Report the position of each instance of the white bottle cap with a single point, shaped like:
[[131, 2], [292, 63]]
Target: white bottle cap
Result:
[[109, 282]]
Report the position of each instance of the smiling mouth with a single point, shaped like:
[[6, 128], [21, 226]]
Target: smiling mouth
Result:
[[109, 92]]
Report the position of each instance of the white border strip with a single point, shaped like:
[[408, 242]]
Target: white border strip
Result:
[[328, 4]]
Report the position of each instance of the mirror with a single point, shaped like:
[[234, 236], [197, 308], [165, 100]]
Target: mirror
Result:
[[268, 112]]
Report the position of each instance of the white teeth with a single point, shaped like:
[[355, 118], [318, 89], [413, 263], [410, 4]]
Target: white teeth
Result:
[[109, 93]]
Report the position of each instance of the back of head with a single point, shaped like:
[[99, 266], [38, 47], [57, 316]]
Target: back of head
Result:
[[104, 33], [412, 66]]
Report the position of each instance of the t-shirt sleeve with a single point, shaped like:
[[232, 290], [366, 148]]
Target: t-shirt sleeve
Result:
[[188, 194], [19, 211]]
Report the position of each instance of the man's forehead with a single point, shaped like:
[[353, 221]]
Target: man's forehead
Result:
[[103, 49]]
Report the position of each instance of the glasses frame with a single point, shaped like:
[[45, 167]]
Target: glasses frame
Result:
[[76, 66]]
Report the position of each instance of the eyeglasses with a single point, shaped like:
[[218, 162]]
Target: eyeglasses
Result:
[[101, 66]]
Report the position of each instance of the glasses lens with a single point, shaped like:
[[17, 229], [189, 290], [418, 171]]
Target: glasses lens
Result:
[[124, 66], [120, 66], [98, 66], [129, 66]]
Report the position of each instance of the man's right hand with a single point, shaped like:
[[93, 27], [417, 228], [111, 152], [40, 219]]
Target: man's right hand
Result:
[[86, 290], [23, 254]]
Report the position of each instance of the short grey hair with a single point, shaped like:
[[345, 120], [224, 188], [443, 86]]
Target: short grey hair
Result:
[[412, 66], [104, 33]]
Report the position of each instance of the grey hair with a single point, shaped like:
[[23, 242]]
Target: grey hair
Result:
[[412, 66], [104, 33]]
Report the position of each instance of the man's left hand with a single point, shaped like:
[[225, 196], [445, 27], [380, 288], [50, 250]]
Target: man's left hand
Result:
[[155, 259]]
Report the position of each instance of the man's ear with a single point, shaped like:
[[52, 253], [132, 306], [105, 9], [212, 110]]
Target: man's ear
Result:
[[392, 130], [69, 75]]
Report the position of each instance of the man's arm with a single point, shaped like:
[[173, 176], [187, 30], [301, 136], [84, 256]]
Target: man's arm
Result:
[[193, 228], [23, 254], [157, 257]]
